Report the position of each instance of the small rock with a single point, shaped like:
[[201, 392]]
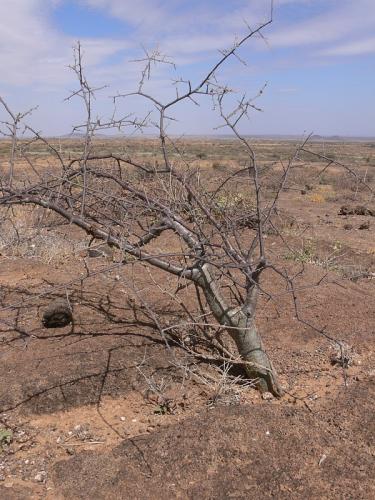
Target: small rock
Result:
[[267, 396], [344, 210], [122, 419], [100, 251], [322, 459], [40, 477]]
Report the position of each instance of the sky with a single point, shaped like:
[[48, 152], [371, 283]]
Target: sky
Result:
[[317, 59]]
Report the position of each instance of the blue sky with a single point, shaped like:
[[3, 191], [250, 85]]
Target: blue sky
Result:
[[318, 59]]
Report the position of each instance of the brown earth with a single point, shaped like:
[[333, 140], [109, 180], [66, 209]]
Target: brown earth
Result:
[[81, 404], [258, 451]]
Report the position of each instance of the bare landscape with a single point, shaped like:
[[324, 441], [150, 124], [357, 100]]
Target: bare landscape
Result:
[[141, 394]]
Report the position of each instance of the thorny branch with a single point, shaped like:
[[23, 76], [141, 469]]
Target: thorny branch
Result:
[[167, 218]]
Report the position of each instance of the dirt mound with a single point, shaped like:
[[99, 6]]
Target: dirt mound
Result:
[[264, 451]]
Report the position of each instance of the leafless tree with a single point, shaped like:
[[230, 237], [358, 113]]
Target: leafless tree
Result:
[[140, 208]]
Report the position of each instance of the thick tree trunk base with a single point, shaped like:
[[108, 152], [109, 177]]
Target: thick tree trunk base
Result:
[[265, 381], [259, 367]]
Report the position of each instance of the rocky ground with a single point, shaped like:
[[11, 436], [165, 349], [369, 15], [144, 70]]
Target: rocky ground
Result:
[[101, 409]]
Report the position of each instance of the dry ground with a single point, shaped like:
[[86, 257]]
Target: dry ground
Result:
[[101, 409]]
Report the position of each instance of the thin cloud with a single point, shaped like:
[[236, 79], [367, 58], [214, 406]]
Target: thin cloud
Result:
[[343, 20], [357, 48], [35, 53]]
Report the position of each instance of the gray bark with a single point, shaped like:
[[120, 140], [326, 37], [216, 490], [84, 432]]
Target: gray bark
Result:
[[241, 327]]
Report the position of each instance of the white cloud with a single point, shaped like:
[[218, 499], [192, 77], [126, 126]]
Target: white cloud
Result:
[[25, 38], [343, 20], [139, 13], [180, 28], [33, 52], [183, 29], [355, 48]]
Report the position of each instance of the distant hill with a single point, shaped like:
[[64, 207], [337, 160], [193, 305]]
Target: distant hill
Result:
[[269, 137]]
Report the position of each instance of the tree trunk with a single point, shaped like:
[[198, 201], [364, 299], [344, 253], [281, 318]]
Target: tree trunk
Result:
[[242, 329], [250, 348]]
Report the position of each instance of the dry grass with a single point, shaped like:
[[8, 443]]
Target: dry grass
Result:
[[226, 390], [24, 233]]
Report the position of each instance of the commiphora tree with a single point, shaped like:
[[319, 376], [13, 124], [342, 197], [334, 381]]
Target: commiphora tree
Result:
[[138, 207]]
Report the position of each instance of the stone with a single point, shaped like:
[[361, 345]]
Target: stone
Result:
[[100, 251]]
